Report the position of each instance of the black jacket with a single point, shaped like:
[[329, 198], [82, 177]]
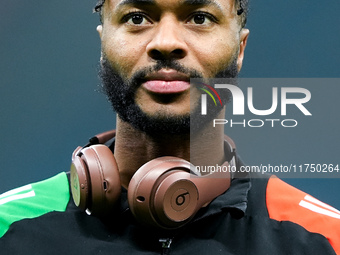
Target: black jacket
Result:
[[237, 222]]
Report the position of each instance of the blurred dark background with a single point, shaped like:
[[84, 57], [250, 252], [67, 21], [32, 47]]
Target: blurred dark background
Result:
[[49, 102]]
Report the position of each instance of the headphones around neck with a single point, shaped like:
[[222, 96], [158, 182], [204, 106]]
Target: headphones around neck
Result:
[[164, 192]]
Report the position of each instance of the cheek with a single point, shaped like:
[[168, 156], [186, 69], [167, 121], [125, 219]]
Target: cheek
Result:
[[123, 54], [215, 55]]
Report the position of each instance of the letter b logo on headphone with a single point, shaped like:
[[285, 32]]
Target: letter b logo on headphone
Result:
[[180, 199]]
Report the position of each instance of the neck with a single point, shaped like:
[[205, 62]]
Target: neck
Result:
[[134, 148]]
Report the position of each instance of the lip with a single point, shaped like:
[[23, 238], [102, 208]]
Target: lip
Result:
[[167, 82]]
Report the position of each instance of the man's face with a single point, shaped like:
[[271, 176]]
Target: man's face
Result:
[[154, 47]]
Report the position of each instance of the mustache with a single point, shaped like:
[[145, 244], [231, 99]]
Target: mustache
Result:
[[110, 76], [139, 76]]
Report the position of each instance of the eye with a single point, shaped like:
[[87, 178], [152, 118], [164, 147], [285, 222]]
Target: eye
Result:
[[201, 18], [136, 18]]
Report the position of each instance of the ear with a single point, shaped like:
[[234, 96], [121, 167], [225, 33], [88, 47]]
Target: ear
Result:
[[244, 33], [99, 30]]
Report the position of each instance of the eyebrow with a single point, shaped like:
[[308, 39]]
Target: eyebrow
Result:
[[198, 2], [184, 2], [202, 3], [134, 2]]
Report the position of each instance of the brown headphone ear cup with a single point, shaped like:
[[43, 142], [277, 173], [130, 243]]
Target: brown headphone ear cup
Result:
[[95, 180], [161, 193]]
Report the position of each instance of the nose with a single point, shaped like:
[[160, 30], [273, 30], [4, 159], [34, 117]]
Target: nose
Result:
[[167, 42]]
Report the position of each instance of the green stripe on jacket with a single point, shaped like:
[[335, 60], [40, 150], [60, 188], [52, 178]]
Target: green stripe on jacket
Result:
[[33, 200]]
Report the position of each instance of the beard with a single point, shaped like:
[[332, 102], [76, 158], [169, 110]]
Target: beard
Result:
[[120, 93]]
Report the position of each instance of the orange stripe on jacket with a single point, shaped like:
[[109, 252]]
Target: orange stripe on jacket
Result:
[[286, 203]]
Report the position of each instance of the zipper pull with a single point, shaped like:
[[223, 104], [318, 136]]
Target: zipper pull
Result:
[[166, 242]]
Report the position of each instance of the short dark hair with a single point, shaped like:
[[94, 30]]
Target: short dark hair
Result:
[[242, 10]]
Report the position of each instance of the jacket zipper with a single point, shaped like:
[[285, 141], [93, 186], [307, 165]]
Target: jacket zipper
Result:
[[166, 242]]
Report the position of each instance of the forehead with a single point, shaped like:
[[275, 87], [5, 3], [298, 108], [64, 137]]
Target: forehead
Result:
[[223, 5]]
